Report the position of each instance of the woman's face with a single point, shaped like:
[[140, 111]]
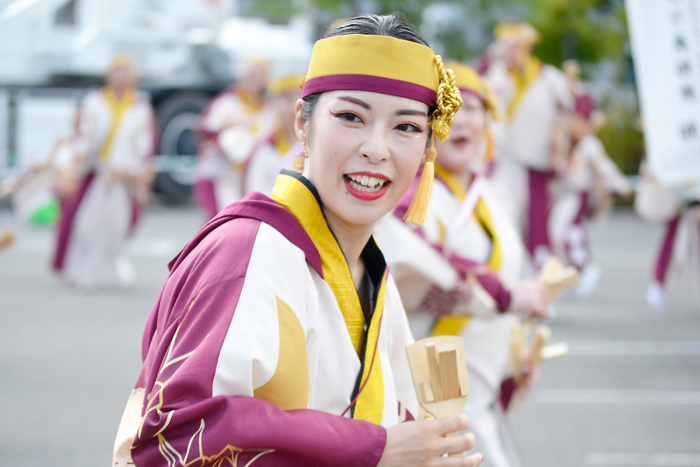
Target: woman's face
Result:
[[364, 151], [284, 105], [465, 145], [121, 78]]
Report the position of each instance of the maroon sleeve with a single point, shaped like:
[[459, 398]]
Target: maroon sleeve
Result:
[[238, 428], [488, 279]]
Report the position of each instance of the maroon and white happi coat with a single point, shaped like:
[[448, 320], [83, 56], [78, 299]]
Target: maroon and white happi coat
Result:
[[228, 130], [444, 251], [679, 210], [266, 161], [97, 220], [248, 358], [589, 174], [524, 140]]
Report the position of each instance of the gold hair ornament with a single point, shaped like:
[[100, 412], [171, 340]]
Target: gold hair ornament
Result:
[[448, 102]]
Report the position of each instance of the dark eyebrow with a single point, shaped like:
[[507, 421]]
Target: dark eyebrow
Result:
[[411, 112], [355, 101], [364, 104]]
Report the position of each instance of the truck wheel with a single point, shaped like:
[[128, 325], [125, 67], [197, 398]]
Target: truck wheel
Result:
[[177, 116]]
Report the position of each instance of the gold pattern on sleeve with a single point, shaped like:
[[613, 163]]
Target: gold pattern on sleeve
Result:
[[194, 455], [227, 457]]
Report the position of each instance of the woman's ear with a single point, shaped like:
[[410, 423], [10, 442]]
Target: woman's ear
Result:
[[301, 124]]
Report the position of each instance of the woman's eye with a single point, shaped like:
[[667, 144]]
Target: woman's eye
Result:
[[409, 127], [350, 117]]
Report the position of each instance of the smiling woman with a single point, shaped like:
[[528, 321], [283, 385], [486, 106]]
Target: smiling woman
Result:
[[279, 337]]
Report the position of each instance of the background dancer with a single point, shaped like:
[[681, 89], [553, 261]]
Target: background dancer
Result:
[[228, 130], [584, 190], [531, 140], [280, 149], [679, 210], [477, 253], [112, 173]]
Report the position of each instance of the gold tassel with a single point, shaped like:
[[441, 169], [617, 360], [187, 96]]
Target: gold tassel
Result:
[[418, 210], [448, 102]]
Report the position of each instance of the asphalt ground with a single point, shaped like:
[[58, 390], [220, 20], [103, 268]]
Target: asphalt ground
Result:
[[627, 395]]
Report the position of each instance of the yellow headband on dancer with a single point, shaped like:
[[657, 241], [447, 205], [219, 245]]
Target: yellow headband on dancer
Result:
[[396, 67], [522, 32], [119, 61], [286, 83], [469, 81]]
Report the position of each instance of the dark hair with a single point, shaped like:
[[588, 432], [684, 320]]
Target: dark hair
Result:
[[392, 25]]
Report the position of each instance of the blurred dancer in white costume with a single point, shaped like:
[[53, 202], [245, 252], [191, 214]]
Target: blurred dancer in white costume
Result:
[[228, 130], [463, 271], [679, 210], [531, 140], [584, 191], [111, 176], [279, 149]]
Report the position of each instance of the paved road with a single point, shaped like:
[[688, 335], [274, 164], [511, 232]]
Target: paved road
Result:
[[628, 395]]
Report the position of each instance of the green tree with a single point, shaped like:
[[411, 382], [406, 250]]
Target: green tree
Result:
[[586, 30]]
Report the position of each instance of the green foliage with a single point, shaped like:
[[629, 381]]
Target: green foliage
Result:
[[587, 30], [273, 10], [622, 138]]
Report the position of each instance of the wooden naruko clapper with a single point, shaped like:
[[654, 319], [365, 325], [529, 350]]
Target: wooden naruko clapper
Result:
[[439, 371]]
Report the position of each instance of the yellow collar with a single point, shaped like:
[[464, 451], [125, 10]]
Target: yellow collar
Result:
[[454, 185], [481, 213], [118, 108], [296, 194], [251, 105], [522, 81], [280, 141]]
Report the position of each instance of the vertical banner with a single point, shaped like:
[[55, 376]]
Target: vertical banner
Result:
[[665, 37], [4, 132]]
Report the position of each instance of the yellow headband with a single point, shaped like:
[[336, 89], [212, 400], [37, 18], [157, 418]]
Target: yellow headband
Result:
[[373, 63], [522, 32], [286, 83], [468, 80], [386, 65], [119, 61]]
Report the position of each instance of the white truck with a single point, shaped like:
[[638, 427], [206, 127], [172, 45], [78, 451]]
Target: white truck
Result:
[[185, 51]]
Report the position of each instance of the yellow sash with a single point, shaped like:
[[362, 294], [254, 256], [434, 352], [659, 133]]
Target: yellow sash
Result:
[[522, 82], [250, 105], [118, 108], [300, 201]]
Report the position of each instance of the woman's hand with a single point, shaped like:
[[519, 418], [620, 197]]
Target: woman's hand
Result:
[[532, 298], [415, 444], [440, 303], [530, 373]]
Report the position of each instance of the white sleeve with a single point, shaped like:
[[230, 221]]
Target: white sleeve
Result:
[[415, 265], [401, 337]]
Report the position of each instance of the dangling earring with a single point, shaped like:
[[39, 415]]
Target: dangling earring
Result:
[[304, 151]]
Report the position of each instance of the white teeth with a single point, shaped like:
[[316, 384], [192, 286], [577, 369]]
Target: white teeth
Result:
[[365, 183]]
